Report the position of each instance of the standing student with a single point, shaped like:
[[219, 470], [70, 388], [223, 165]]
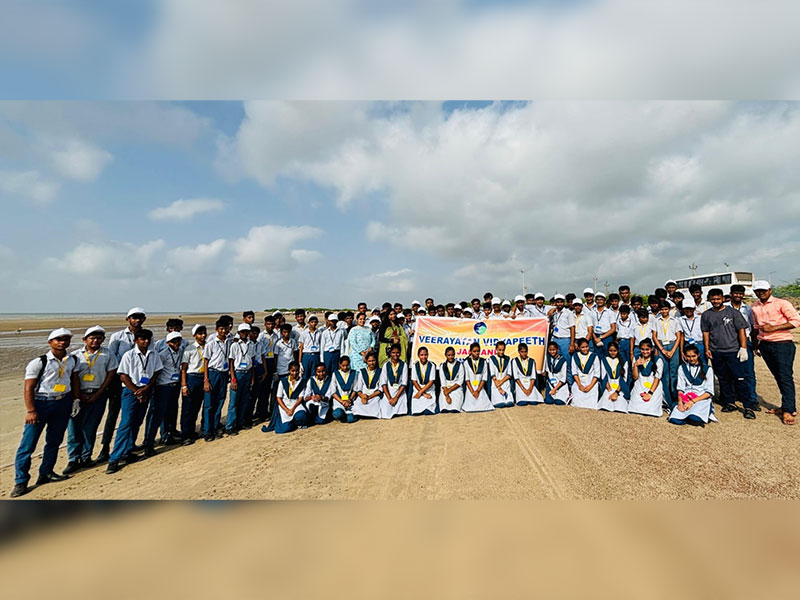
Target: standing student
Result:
[[290, 412], [451, 377], [486, 313], [331, 341], [49, 383], [518, 310], [249, 317], [637, 303], [215, 380], [269, 338], [726, 346], [625, 326], [667, 337], [310, 347], [500, 376], [642, 331], [97, 369], [692, 335], [695, 391], [614, 388], [563, 329], [614, 302], [164, 399], [241, 358], [588, 299], [300, 327], [585, 376], [605, 325], [318, 396], [423, 385], [119, 343], [537, 310], [192, 380], [343, 391], [737, 297], [476, 308], [524, 371], [497, 309], [171, 325], [394, 381], [476, 377], [647, 395], [701, 304], [258, 389], [368, 389], [557, 383], [138, 371], [624, 295], [654, 306], [584, 322]]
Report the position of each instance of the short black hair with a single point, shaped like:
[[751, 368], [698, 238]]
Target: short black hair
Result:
[[143, 334], [220, 323], [248, 313], [299, 311], [174, 323], [737, 287], [474, 300], [450, 305], [624, 288], [653, 299], [488, 295], [695, 287], [660, 292], [255, 328], [625, 308], [530, 296], [227, 319], [638, 299], [642, 313], [286, 327], [613, 296], [269, 319], [715, 292]]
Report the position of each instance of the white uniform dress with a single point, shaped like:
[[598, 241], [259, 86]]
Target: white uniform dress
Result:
[[585, 367], [322, 388], [451, 374], [368, 383], [497, 370], [423, 375], [615, 375], [525, 374], [689, 380], [475, 372], [556, 371], [345, 387], [653, 407], [394, 377], [292, 394], [582, 323]]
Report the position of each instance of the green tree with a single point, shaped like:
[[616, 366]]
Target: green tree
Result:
[[791, 290]]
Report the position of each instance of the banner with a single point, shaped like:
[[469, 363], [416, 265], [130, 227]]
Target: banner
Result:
[[438, 333]]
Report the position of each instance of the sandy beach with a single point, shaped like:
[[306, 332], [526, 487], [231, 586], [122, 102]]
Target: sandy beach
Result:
[[536, 452]]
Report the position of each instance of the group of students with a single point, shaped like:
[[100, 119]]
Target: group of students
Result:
[[610, 354]]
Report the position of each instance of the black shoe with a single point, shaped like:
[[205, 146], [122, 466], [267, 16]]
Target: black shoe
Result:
[[749, 414], [188, 442], [51, 476], [149, 451], [138, 447], [172, 440], [20, 489], [231, 432], [247, 426], [113, 467], [87, 463], [131, 458], [729, 408], [73, 466], [209, 437], [756, 408], [103, 456]]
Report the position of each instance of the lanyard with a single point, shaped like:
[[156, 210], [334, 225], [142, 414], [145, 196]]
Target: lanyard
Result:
[[665, 325], [448, 373], [691, 326], [62, 366], [89, 361], [370, 377], [582, 361], [395, 368], [642, 329], [291, 388], [144, 362], [173, 356], [475, 365], [525, 366], [200, 353], [615, 368]]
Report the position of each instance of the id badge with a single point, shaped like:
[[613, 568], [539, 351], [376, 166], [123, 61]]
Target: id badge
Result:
[[648, 384], [345, 397], [614, 385], [88, 377], [144, 380], [314, 349], [270, 354], [175, 376], [555, 329], [690, 340], [60, 388], [526, 381], [243, 365], [584, 378], [553, 381], [475, 384]]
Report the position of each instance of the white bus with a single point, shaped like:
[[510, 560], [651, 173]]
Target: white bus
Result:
[[723, 281]]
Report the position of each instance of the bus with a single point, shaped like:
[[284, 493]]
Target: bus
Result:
[[723, 281]]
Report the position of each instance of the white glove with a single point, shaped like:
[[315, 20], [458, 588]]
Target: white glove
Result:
[[742, 354]]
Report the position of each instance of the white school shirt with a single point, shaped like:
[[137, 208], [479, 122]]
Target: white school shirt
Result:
[[193, 359], [603, 320], [297, 331], [162, 344], [139, 366], [258, 350], [51, 377], [625, 328], [691, 329], [102, 362], [641, 332], [311, 341], [285, 353], [702, 307], [120, 342], [331, 341], [582, 323], [746, 313], [243, 355], [268, 341], [171, 360], [216, 352], [562, 321], [667, 329], [534, 312], [494, 315]]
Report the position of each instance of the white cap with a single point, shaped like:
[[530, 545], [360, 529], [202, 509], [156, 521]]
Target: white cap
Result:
[[559, 297], [312, 317], [668, 281], [467, 310], [195, 328], [507, 302], [762, 284], [421, 311], [496, 301], [588, 291], [519, 298], [277, 313], [333, 317], [577, 301], [243, 327], [57, 333], [136, 310], [94, 329], [689, 303], [416, 302], [538, 295], [374, 319], [598, 294], [175, 335]]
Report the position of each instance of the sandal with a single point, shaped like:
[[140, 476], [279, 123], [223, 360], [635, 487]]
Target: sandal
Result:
[[788, 419], [775, 411]]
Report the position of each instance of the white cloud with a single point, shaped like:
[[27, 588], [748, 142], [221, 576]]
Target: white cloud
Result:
[[29, 185], [271, 247], [195, 258], [183, 210], [111, 260], [389, 281], [77, 159]]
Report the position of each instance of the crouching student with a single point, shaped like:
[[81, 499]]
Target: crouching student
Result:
[[97, 368], [291, 413], [318, 397], [615, 391], [695, 391], [192, 370], [647, 395], [586, 376], [423, 385], [343, 391], [500, 376], [476, 377], [451, 377], [167, 390], [557, 384], [138, 371], [368, 389], [241, 358], [524, 371], [49, 382], [394, 380]]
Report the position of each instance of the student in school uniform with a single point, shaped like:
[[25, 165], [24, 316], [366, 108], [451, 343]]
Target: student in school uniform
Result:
[[497, 309], [166, 392], [422, 390], [450, 310], [394, 382], [192, 379], [318, 396], [557, 376], [451, 378], [286, 351], [586, 375], [642, 331], [614, 302], [97, 369], [241, 358], [505, 309], [701, 304], [331, 342], [637, 302], [48, 392], [138, 370], [692, 335], [654, 306], [589, 299], [268, 338], [249, 317], [291, 413], [647, 395], [368, 389], [524, 371], [171, 325], [343, 391], [168, 425], [563, 329], [737, 303], [259, 383], [468, 314], [584, 323], [614, 387], [624, 295], [215, 380], [626, 323], [476, 307], [695, 391], [300, 327], [486, 312], [310, 347], [667, 337], [537, 310], [500, 377], [476, 378], [605, 324], [118, 344]]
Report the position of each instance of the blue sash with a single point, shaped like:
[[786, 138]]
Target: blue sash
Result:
[[320, 391], [375, 378], [423, 381], [448, 374], [649, 369], [696, 381], [481, 364], [297, 388], [531, 364], [611, 375], [390, 372], [345, 386], [589, 363], [500, 365], [554, 365]]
